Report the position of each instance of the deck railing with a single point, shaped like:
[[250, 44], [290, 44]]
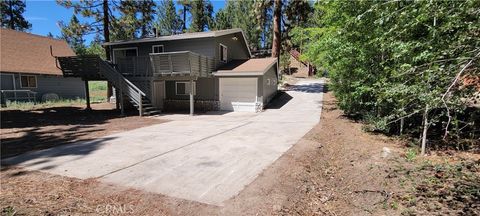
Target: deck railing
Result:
[[184, 63], [138, 66]]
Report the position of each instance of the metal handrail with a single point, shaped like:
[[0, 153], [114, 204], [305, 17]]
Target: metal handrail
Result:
[[124, 85]]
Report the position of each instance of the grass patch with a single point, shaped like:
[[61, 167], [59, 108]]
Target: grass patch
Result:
[[16, 105], [98, 91]]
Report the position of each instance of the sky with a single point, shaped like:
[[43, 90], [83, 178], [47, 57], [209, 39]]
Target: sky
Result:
[[44, 16]]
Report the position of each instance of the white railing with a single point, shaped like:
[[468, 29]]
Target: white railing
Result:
[[181, 63]]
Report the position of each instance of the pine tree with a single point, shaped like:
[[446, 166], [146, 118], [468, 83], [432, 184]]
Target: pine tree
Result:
[[125, 27], [136, 19], [297, 15], [233, 16], [263, 10], [100, 12], [12, 15], [146, 21], [73, 34], [186, 6], [168, 22], [202, 15], [224, 17]]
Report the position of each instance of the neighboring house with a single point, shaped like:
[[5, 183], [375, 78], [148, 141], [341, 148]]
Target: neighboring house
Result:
[[298, 67], [205, 70], [27, 68]]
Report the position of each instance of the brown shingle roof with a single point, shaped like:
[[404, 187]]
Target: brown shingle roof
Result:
[[247, 67], [28, 53]]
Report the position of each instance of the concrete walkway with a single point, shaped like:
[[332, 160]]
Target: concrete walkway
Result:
[[206, 158]]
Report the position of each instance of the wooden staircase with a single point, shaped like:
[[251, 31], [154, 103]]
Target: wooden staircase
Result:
[[147, 108], [94, 68]]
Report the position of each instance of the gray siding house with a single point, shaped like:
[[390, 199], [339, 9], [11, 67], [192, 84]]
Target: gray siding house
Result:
[[28, 70], [202, 71]]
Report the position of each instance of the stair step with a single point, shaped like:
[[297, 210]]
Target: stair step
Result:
[[143, 105], [153, 112]]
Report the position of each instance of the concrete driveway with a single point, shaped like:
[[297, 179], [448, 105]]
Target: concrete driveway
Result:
[[206, 158]]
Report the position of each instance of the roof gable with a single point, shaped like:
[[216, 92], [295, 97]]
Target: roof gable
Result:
[[28, 53]]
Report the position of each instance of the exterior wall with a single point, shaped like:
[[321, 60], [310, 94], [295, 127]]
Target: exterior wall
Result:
[[236, 49], [206, 97], [206, 89], [68, 88], [270, 85], [203, 46]]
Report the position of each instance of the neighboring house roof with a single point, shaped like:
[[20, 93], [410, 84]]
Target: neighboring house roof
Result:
[[184, 36], [295, 54], [28, 53], [246, 67]]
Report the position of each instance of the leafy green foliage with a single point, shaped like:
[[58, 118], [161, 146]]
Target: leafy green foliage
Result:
[[388, 60], [11, 15]]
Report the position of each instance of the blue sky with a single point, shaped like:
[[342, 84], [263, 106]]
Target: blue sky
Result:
[[44, 16]]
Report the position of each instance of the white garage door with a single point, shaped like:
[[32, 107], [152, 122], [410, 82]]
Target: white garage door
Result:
[[238, 94]]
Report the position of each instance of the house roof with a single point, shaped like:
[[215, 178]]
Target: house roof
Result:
[[28, 53], [184, 36], [247, 67]]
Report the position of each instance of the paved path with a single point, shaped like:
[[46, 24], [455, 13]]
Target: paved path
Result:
[[206, 158]]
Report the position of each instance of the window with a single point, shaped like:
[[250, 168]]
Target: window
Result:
[[130, 52], [157, 49], [223, 53], [28, 81], [268, 81], [183, 88]]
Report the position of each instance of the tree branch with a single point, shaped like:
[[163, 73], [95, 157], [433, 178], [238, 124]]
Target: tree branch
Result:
[[457, 77]]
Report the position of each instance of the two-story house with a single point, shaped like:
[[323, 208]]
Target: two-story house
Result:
[[204, 70]]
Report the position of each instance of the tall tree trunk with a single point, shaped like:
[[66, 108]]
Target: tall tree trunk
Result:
[[276, 28], [184, 18], [144, 26], [425, 130], [10, 7], [106, 35]]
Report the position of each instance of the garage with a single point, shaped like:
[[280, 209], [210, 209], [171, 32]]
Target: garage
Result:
[[247, 85], [238, 94]]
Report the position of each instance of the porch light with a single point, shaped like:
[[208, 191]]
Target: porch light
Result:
[[234, 38]]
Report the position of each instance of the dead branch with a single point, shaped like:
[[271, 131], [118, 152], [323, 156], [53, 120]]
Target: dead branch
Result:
[[457, 77]]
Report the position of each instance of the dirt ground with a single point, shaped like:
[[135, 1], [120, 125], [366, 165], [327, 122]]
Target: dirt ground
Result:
[[335, 169], [23, 131]]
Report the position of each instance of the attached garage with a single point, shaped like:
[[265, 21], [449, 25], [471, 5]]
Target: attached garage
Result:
[[238, 94], [247, 85]]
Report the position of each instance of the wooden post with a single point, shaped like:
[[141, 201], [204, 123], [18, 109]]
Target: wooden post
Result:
[[3, 99], [191, 97], [117, 100], [87, 96], [122, 104], [140, 106]]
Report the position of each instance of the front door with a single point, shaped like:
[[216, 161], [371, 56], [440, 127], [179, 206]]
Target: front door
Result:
[[158, 94]]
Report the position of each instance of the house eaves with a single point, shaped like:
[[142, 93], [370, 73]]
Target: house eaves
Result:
[[184, 36]]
